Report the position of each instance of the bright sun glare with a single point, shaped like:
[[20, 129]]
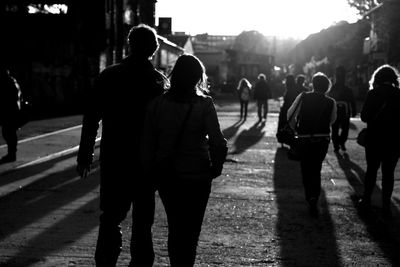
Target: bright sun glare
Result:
[[283, 18]]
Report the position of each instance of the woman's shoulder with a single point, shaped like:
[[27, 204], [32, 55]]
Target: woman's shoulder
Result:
[[203, 98]]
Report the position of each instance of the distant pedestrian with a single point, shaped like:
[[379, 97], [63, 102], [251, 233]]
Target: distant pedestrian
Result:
[[290, 95], [244, 91], [300, 80], [119, 99], [381, 112], [10, 94], [184, 149], [262, 92], [315, 113], [346, 108]]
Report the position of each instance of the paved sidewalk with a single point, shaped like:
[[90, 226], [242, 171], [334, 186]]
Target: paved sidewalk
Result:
[[256, 214]]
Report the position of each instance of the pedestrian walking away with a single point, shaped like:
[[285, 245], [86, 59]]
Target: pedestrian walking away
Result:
[[244, 91], [300, 80], [290, 95], [313, 113], [10, 101], [346, 108], [180, 156], [262, 93], [381, 112], [119, 99]]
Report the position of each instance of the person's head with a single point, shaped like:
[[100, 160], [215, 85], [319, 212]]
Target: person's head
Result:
[[262, 76], [385, 74], [290, 82], [321, 82], [300, 79], [244, 83], [188, 76], [142, 40], [340, 74]]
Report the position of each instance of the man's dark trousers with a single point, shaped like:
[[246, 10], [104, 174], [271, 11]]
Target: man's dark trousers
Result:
[[118, 192]]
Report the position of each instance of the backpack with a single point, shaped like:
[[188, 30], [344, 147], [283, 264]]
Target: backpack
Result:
[[245, 94]]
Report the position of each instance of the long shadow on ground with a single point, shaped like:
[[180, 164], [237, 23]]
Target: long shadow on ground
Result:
[[303, 240], [248, 137], [232, 130], [385, 232], [53, 191]]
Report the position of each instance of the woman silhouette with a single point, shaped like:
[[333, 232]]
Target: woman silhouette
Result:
[[183, 150]]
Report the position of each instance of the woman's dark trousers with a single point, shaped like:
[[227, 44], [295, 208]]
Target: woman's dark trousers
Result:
[[185, 203], [377, 156], [117, 194], [243, 108], [313, 155]]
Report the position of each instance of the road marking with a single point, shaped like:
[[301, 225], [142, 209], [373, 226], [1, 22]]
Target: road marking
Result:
[[51, 156], [45, 135]]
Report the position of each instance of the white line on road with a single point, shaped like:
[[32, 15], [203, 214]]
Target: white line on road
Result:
[[45, 135]]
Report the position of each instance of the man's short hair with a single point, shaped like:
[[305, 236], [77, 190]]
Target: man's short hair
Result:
[[321, 82], [142, 40]]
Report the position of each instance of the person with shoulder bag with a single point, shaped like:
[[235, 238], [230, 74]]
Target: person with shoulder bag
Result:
[[183, 150], [314, 113], [381, 112]]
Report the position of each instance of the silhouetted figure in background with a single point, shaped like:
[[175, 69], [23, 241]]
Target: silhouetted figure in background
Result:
[[346, 108], [313, 118], [262, 92], [300, 79], [244, 91], [182, 159], [10, 94], [119, 99], [381, 112], [290, 95]]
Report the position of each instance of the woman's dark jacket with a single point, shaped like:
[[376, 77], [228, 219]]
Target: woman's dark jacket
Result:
[[381, 112], [119, 99], [201, 144]]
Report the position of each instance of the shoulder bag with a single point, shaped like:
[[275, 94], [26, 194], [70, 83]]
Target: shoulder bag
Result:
[[362, 135]]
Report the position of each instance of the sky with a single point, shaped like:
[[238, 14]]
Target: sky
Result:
[[282, 18]]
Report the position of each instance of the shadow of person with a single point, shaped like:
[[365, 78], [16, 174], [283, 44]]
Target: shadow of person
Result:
[[385, 233], [232, 130], [303, 240], [248, 137], [354, 173]]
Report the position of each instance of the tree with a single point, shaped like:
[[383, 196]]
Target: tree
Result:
[[364, 6], [251, 41]]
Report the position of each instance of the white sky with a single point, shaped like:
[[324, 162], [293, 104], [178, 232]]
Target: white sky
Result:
[[285, 18]]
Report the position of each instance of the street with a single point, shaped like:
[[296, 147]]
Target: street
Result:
[[256, 215]]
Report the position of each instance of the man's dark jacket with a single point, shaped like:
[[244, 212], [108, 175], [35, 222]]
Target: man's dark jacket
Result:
[[119, 99]]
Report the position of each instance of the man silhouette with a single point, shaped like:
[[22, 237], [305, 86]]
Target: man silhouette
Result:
[[262, 93], [119, 99]]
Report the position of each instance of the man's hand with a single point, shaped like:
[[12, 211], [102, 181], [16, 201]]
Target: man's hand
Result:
[[83, 170]]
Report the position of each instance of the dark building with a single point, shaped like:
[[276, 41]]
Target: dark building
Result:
[[55, 48]]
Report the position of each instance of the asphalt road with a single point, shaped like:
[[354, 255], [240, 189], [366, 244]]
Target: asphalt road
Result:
[[256, 214]]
